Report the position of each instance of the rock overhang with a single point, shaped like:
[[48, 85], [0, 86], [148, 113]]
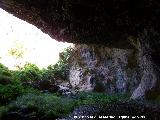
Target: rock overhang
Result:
[[109, 22]]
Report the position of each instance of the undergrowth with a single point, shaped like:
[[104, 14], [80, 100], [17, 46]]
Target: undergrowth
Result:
[[58, 106]]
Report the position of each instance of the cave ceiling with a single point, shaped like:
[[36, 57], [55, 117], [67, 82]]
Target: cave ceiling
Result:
[[108, 22]]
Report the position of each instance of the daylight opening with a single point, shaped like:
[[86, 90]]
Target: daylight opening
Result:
[[23, 43]]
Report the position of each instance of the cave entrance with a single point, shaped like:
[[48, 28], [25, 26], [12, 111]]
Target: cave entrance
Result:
[[22, 42]]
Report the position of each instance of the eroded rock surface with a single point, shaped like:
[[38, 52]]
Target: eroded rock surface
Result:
[[112, 70], [103, 69]]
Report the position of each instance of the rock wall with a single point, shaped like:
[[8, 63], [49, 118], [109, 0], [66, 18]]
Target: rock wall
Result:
[[112, 70], [148, 76], [148, 57], [103, 69]]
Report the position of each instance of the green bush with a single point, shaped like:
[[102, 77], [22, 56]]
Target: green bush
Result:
[[61, 69], [4, 70], [9, 92], [12, 91], [5, 75], [47, 74], [30, 72], [47, 104], [90, 98]]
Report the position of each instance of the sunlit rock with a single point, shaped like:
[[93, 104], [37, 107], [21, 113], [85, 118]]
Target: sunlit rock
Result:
[[102, 69]]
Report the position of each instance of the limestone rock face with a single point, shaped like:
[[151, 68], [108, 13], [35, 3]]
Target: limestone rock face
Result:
[[148, 77], [112, 70], [103, 69], [148, 57]]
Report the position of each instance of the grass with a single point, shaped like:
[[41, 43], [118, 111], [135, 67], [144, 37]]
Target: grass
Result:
[[57, 106], [47, 104]]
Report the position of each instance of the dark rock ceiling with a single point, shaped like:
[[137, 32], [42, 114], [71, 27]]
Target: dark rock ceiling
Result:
[[108, 22]]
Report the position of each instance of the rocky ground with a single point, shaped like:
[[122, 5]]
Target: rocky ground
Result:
[[120, 110]]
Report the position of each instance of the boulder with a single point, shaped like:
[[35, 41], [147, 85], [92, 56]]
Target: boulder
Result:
[[64, 90]]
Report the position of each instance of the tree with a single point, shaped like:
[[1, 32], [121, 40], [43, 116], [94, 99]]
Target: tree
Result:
[[17, 51]]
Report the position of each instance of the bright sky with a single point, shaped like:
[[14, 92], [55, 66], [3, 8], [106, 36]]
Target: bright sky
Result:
[[40, 48]]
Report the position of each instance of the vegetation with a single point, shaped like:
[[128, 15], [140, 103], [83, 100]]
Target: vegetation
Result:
[[12, 91], [4, 73], [60, 69], [47, 104], [90, 98], [30, 72], [15, 95], [56, 106], [11, 82]]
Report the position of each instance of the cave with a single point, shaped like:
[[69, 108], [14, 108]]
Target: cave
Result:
[[118, 38]]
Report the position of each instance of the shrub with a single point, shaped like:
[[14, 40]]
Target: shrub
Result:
[[89, 98], [5, 75], [47, 104], [12, 91], [61, 69], [10, 85], [47, 74], [8, 92], [30, 72], [4, 70]]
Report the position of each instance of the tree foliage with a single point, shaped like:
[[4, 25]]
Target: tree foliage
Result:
[[17, 50], [61, 69], [11, 82]]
